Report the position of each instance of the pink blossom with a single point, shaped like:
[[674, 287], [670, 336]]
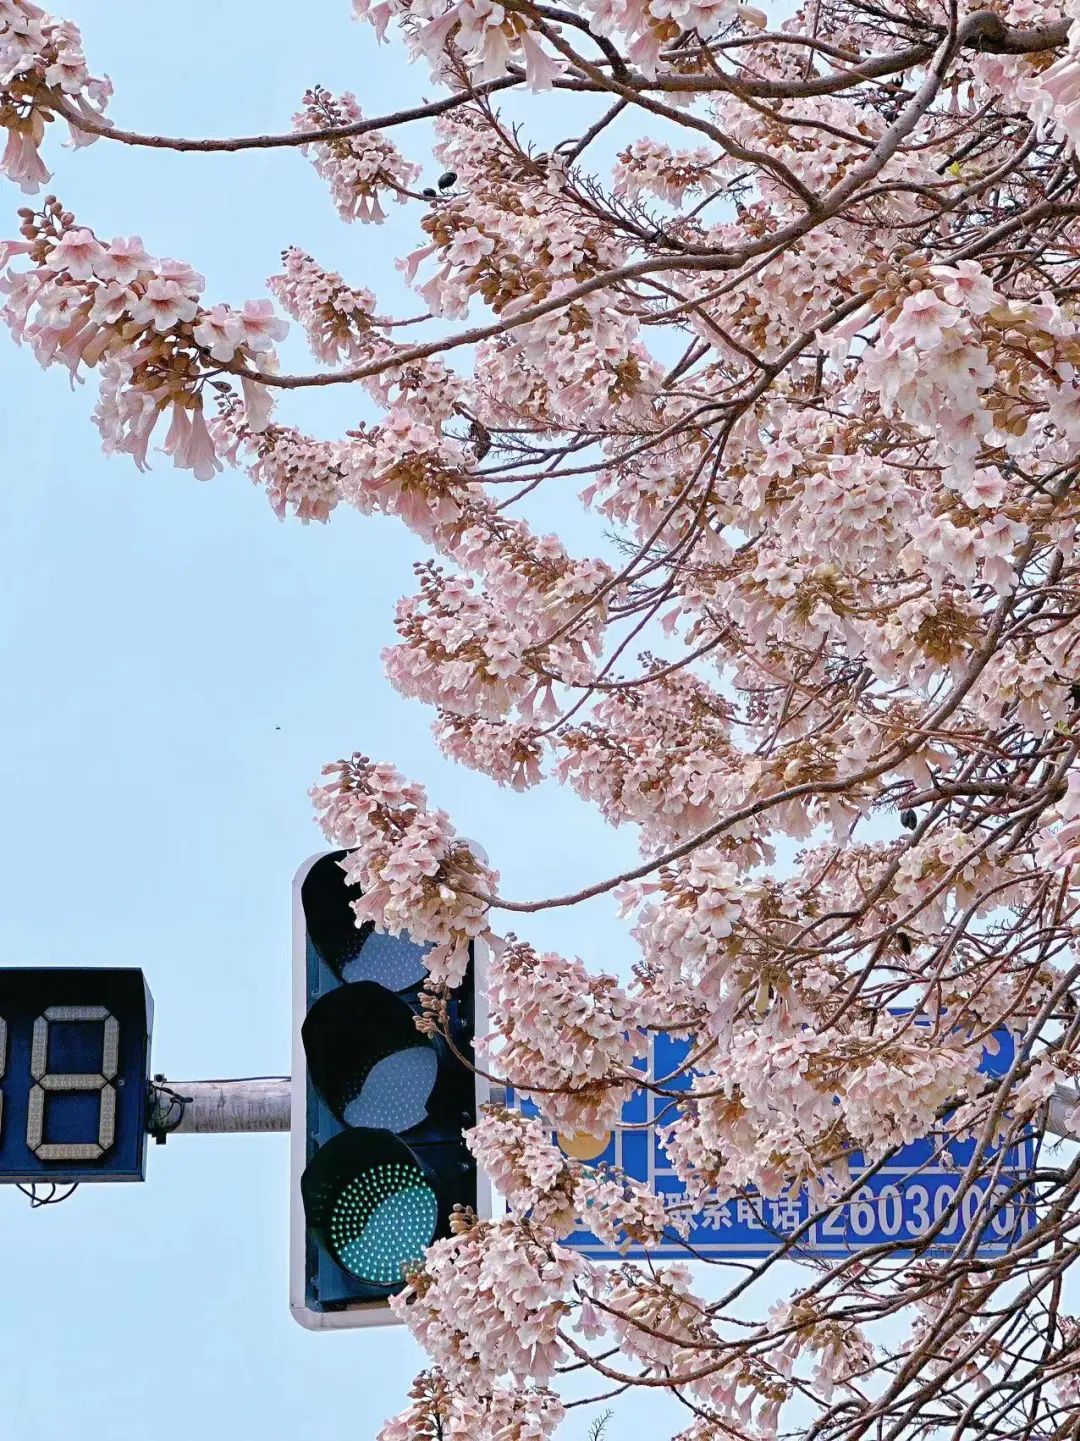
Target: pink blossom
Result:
[[923, 319], [469, 247], [182, 274], [22, 163], [112, 302], [967, 285], [189, 443], [257, 327], [59, 304], [219, 332], [68, 72], [163, 304], [77, 252], [541, 70], [258, 404], [122, 260]]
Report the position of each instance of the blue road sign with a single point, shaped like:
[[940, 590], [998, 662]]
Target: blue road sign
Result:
[[74, 1068], [897, 1205]]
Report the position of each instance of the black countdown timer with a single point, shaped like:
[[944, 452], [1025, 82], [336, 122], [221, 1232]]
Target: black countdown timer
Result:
[[74, 1072]]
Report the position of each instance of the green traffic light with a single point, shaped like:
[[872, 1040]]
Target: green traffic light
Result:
[[382, 1222], [372, 1204]]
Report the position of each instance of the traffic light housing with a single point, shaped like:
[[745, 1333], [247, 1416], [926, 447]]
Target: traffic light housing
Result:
[[378, 1107]]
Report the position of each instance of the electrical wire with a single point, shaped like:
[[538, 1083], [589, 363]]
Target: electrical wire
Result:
[[52, 1199]]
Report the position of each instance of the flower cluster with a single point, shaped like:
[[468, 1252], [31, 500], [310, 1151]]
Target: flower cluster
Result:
[[508, 753], [43, 72], [301, 476], [414, 873], [141, 323], [540, 1182], [488, 1302], [464, 651], [489, 35], [842, 1354], [336, 317], [439, 1412], [527, 1168], [357, 168], [647, 167], [788, 1104], [565, 1037]]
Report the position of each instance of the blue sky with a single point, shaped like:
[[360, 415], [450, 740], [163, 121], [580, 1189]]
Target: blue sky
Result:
[[176, 667]]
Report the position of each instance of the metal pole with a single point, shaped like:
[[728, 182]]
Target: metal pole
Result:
[[204, 1108], [1063, 1113]]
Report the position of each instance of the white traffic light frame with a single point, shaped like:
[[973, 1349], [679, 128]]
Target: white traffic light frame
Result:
[[364, 1313]]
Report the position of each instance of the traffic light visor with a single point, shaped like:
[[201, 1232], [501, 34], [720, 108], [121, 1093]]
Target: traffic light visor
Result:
[[355, 953], [372, 1203]]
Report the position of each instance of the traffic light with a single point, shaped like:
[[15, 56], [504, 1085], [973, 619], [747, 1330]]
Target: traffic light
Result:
[[378, 1107]]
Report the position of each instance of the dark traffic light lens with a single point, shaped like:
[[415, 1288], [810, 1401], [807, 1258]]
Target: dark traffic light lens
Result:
[[367, 1059], [395, 1091], [372, 1203], [355, 953], [394, 961]]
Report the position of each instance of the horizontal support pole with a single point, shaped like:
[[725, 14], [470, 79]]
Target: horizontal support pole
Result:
[[208, 1108], [1063, 1112]]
